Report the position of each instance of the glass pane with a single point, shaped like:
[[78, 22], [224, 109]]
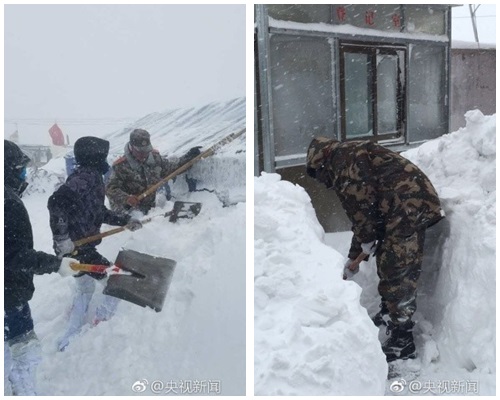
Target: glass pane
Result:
[[425, 19], [300, 12], [427, 93], [358, 95], [387, 91], [302, 92]]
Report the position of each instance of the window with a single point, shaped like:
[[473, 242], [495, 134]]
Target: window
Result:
[[372, 91], [428, 89], [301, 92]]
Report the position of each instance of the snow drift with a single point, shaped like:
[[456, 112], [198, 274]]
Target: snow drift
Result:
[[312, 337], [196, 344], [302, 345]]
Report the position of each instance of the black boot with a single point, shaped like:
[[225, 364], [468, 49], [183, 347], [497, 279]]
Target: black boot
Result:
[[382, 317], [400, 345]]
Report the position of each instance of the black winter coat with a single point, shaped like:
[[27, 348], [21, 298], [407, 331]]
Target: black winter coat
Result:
[[77, 208], [21, 261]]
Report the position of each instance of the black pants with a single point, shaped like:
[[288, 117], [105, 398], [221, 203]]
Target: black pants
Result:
[[89, 255], [17, 321]]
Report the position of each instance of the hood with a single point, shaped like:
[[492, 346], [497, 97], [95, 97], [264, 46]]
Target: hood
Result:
[[14, 162], [319, 150]]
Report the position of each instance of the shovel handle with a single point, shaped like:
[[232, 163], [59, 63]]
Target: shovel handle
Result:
[[357, 261], [100, 269], [98, 236], [93, 238]]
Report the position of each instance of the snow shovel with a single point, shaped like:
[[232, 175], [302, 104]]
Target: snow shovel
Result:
[[182, 209], [135, 277]]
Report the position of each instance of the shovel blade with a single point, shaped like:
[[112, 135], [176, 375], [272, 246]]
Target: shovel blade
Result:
[[184, 209], [149, 282]]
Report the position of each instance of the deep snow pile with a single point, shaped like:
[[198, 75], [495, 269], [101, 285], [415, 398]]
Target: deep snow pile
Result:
[[462, 166], [196, 344], [456, 339], [312, 337]]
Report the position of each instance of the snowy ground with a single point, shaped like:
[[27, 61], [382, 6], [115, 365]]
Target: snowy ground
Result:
[[312, 337], [196, 344]]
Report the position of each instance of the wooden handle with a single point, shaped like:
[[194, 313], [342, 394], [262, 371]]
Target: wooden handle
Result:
[[100, 269], [357, 261], [93, 238], [190, 163], [101, 235]]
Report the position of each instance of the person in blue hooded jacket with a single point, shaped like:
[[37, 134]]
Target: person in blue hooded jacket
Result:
[[77, 211]]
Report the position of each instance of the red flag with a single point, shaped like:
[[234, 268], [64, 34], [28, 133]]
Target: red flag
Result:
[[56, 135]]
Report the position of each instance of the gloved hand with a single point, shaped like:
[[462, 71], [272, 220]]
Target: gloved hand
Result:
[[134, 224], [65, 268], [348, 273], [132, 200], [369, 248], [194, 152], [63, 246]]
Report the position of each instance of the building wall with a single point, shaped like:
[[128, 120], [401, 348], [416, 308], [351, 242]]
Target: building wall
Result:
[[328, 209], [473, 83]]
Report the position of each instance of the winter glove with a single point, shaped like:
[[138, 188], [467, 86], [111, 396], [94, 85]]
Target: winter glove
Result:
[[194, 152], [348, 273], [65, 268], [369, 248], [132, 201], [63, 246], [134, 224]]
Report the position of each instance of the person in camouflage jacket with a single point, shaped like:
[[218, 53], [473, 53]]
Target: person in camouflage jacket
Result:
[[390, 203], [137, 170]]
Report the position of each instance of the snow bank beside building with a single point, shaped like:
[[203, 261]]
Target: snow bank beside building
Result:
[[312, 337], [462, 166]]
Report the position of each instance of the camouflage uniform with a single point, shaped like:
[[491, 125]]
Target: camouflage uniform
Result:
[[387, 198], [131, 177]]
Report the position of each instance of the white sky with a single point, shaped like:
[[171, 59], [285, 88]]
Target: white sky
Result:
[[72, 63], [486, 21]]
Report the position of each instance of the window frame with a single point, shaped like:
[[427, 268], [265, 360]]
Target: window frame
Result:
[[372, 50]]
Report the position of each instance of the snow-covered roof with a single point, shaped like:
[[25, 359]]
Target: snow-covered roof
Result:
[[460, 44]]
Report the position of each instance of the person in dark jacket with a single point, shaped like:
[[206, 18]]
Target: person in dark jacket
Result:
[[77, 211], [140, 168], [390, 203], [21, 263]]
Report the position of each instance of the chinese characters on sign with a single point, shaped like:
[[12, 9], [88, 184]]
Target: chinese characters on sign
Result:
[[341, 13], [370, 19]]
